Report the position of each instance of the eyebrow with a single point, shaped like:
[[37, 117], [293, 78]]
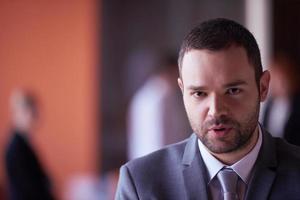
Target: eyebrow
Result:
[[232, 84], [194, 88], [236, 83]]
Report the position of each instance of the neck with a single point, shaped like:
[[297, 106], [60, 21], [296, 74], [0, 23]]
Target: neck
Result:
[[232, 157]]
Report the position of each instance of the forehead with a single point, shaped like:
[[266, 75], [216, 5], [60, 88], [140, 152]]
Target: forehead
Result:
[[221, 66]]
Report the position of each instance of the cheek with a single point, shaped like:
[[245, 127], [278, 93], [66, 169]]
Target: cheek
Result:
[[240, 110], [195, 111], [236, 106]]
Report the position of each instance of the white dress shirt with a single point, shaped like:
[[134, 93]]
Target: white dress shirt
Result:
[[242, 167]]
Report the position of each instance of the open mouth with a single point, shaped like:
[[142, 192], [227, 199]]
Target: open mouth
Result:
[[220, 130]]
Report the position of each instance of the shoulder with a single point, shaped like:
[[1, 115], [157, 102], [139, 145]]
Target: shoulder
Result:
[[17, 141], [287, 181], [287, 154], [19, 150], [146, 175], [171, 154]]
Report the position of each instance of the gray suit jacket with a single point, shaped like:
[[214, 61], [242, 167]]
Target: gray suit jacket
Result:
[[178, 172]]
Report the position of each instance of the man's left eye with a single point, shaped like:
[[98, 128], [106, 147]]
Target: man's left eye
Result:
[[233, 91]]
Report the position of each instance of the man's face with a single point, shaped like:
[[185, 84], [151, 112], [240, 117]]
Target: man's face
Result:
[[22, 114], [221, 97]]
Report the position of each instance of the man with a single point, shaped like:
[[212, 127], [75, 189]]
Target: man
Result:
[[26, 177], [229, 156]]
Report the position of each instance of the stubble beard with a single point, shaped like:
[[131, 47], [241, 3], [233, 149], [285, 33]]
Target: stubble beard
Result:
[[241, 132]]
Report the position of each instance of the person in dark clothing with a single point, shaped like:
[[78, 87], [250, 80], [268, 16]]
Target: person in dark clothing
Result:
[[27, 179], [282, 111]]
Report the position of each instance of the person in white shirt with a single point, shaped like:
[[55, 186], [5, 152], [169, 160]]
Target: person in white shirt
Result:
[[156, 115]]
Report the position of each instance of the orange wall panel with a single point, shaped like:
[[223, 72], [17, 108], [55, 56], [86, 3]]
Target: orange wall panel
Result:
[[50, 48]]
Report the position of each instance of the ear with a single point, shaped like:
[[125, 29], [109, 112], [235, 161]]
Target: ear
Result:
[[264, 85], [180, 83]]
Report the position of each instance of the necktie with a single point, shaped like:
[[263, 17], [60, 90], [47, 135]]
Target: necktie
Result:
[[228, 180]]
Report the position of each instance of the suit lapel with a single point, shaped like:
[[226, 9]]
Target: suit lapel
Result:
[[194, 172], [264, 171]]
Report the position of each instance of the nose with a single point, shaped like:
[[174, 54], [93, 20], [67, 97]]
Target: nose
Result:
[[216, 106]]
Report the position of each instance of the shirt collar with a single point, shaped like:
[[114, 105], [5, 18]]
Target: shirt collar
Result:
[[242, 167]]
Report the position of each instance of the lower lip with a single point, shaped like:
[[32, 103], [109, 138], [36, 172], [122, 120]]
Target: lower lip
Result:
[[222, 133]]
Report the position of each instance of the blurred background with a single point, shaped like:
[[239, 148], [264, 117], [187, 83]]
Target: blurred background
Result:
[[89, 62]]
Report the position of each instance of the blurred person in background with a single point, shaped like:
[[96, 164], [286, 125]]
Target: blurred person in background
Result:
[[156, 114], [26, 177], [282, 110]]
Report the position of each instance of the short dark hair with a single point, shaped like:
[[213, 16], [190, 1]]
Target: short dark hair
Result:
[[218, 34]]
